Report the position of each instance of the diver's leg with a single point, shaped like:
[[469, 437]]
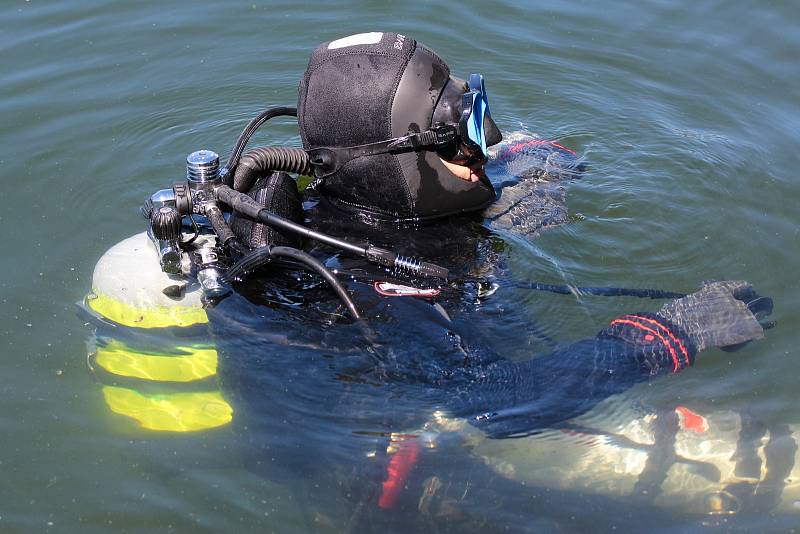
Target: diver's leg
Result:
[[661, 457]]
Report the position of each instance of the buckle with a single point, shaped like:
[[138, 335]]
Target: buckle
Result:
[[438, 136], [445, 134]]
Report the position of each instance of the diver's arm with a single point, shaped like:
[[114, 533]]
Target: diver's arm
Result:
[[516, 398]]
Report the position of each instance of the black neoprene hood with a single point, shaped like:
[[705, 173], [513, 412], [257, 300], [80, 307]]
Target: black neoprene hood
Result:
[[371, 87]]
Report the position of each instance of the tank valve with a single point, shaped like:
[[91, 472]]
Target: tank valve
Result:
[[165, 229], [166, 223], [202, 166], [202, 172], [209, 275]]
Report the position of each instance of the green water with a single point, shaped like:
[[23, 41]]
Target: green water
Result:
[[686, 111]]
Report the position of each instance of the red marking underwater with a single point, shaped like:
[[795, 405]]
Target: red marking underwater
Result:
[[691, 420], [397, 471]]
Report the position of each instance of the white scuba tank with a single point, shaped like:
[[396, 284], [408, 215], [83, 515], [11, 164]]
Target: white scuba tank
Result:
[[151, 348], [130, 289]]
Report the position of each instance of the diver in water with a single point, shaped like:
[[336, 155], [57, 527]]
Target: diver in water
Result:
[[400, 150], [406, 156]]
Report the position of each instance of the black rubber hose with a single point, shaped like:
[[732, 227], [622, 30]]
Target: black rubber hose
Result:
[[255, 163], [316, 265], [221, 228], [241, 203], [584, 290], [602, 291], [247, 133], [247, 263], [225, 235], [262, 256]]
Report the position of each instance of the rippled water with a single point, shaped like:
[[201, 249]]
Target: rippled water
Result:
[[686, 111]]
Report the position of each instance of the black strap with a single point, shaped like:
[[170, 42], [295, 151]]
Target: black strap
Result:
[[328, 160]]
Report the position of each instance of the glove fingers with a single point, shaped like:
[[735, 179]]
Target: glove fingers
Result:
[[714, 317], [532, 195], [760, 307]]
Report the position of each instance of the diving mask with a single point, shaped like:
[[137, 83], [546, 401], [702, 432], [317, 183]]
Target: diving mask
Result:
[[465, 104]]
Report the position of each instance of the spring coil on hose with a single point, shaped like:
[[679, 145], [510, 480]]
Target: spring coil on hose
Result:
[[406, 265]]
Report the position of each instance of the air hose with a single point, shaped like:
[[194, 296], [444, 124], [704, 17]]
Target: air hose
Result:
[[225, 235], [263, 255], [601, 291], [242, 203], [260, 256], [247, 133], [567, 289], [249, 262], [255, 163]]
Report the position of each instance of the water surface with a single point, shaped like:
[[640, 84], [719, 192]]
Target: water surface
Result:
[[686, 111]]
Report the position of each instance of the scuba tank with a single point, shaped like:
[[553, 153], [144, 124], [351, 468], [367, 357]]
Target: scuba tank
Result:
[[151, 349]]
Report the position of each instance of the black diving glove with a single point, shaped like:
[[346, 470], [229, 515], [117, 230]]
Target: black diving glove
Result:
[[723, 314], [531, 195]]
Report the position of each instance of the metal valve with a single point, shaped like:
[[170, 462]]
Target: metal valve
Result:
[[166, 223]]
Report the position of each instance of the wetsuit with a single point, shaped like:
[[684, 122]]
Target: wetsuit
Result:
[[423, 353], [517, 398]]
